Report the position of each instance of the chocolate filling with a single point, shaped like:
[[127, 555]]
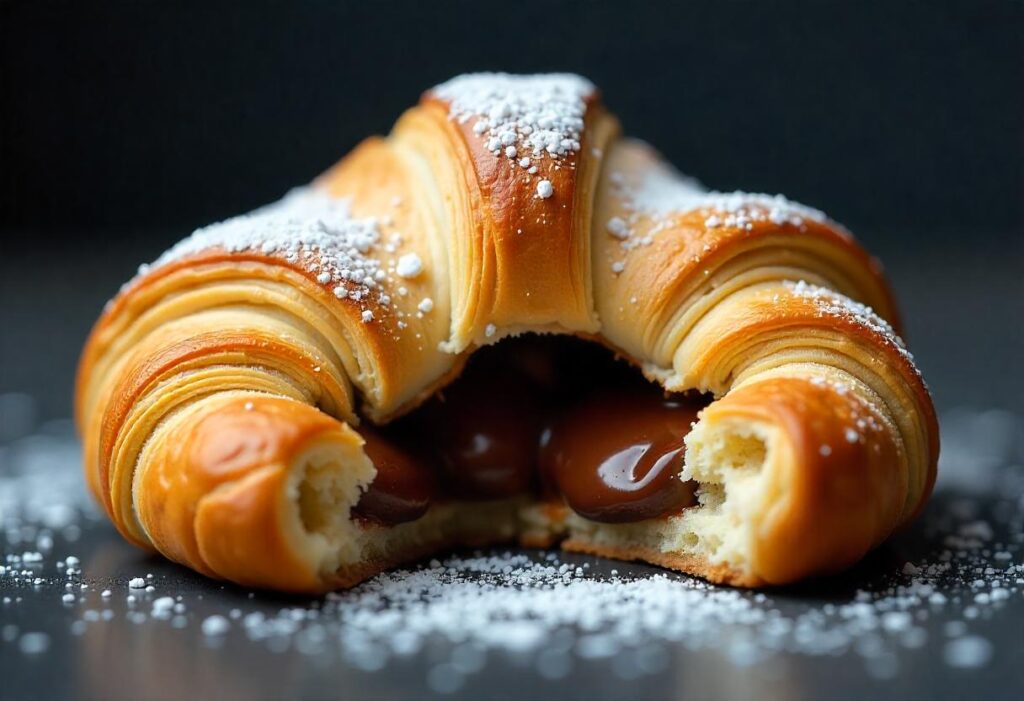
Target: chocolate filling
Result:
[[616, 457], [525, 418], [404, 485]]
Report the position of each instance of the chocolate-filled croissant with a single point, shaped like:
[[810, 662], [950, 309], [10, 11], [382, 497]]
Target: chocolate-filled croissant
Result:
[[276, 401]]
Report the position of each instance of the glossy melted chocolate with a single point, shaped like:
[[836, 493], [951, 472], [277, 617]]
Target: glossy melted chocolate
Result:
[[404, 485], [616, 457], [514, 421], [485, 435]]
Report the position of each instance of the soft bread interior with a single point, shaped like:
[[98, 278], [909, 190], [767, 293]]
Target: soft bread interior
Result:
[[730, 461], [325, 482]]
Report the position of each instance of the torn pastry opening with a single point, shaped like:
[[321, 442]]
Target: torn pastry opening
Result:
[[576, 444]]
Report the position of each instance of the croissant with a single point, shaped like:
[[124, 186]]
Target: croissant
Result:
[[277, 400]]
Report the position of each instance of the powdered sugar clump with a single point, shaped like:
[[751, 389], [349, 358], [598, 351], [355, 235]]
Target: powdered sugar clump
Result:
[[538, 115], [523, 118]]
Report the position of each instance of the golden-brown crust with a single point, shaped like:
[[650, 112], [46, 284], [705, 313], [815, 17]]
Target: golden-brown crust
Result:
[[529, 245], [687, 564], [838, 481], [212, 494], [698, 304]]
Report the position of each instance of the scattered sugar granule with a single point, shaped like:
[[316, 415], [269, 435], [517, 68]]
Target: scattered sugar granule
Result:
[[34, 643], [426, 304], [969, 651], [137, 583], [545, 189], [409, 266], [490, 330], [215, 625], [618, 228], [367, 316]]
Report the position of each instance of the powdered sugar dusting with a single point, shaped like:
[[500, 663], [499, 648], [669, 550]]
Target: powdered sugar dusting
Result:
[[525, 119], [834, 304], [308, 227], [662, 194]]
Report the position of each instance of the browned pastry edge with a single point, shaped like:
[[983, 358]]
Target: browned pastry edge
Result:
[[360, 572], [686, 564]]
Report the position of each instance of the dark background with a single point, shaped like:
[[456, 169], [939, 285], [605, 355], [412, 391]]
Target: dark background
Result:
[[125, 125]]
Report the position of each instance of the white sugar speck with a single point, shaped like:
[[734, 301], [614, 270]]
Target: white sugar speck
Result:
[[969, 652], [618, 228], [409, 266], [545, 189], [215, 625], [34, 643], [163, 605]]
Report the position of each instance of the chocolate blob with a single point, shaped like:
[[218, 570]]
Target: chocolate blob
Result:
[[404, 486], [484, 435], [616, 456]]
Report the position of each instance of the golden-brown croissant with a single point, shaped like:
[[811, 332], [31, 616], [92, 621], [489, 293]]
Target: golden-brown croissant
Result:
[[269, 402]]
